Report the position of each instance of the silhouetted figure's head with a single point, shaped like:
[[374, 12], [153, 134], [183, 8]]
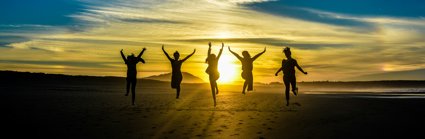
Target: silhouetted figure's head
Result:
[[212, 57], [176, 55], [246, 54], [287, 52], [131, 56]]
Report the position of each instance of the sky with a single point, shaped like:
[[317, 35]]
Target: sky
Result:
[[330, 39]]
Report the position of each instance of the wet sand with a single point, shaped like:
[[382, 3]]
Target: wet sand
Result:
[[100, 110]]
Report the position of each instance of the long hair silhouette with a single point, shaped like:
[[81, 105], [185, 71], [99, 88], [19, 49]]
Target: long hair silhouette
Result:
[[176, 74], [288, 68], [131, 62], [212, 70], [247, 66]]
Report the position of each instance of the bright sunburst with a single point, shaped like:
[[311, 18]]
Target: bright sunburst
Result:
[[227, 68]]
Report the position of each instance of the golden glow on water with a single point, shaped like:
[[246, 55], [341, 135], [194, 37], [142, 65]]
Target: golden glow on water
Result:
[[227, 69]]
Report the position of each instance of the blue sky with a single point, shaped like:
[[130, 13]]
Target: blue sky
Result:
[[327, 36], [39, 12]]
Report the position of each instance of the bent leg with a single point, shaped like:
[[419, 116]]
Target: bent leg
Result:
[[244, 87], [177, 92], [216, 88], [294, 86], [250, 80]]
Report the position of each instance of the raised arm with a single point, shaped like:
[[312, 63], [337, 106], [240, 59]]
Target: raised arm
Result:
[[209, 52], [281, 68], [277, 72], [259, 54], [237, 56], [141, 53], [221, 50], [299, 68], [123, 57], [166, 54], [187, 57]]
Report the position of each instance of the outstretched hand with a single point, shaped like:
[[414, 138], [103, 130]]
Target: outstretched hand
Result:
[[144, 48], [305, 73], [229, 48], [122, 50], [222, 45], [276, 74], [209, 44]]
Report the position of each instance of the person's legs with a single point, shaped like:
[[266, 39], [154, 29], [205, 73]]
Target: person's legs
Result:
[[286, 81], [213, 87], [250, 82], [128, 87], [294, 85], [133, 91], [245, 84], [216, 88], [177, 92]]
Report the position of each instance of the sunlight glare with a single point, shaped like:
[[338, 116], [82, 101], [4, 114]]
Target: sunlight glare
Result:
[[224, 35], [227, 69]]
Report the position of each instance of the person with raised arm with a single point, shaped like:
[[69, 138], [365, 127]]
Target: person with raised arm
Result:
[[247, 66], [176, 74], [212, 70], [131, 62], [288, 68]]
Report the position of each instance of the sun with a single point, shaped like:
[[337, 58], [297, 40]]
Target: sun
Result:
[[228, 70]]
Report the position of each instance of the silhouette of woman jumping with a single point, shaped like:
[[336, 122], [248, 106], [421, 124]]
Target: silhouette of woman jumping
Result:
[[212, 70], [131, 63], [176, 64], [247, 67], [288, 68]]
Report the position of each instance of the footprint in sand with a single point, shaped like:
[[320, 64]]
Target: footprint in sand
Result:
[[218, 130], [296, 104]]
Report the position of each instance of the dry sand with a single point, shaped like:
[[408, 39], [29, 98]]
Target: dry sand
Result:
[[102, 111]]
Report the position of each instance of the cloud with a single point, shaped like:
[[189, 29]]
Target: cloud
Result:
[[248, 1], [329, 45]]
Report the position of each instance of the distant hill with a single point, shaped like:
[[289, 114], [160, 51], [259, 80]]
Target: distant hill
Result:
[[30, 78], [395, 75], [187, 78]]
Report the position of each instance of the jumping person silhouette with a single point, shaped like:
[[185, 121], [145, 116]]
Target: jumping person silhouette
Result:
[[212, 70], [288, 68], [131, 63], [247, 67], [176, 64]]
